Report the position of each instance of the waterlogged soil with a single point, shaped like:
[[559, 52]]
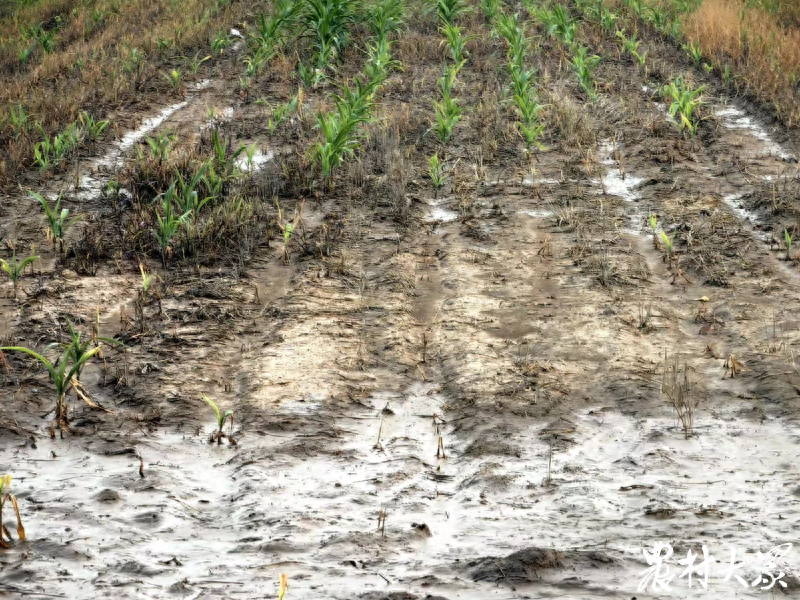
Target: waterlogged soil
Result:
[[464, 403]]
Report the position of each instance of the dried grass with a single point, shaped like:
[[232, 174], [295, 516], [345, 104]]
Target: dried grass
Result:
[[763, 53]]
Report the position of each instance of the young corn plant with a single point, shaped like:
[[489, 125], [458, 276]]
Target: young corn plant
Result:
[[20, 123], [64, 374], [92, 126], [168, 225], [456, 41], [282, 112], [269, 34], [448, 112], [684, 104], [340, 127], [450, 10], [174, 79], [787, 240], [529, 124], [15, 268], [695, 53], [559, 24], [287, 229], [508, 27], [222, 417], [5, 497], [195, 62], [327, 23], [385, 17], [492, 9], [436, 172], [78, 348], [160, 146], [631, 46], [58, 221], [584, 66], [669, 246]]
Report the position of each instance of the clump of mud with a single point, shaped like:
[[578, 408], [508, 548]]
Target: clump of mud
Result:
[[526, 565]]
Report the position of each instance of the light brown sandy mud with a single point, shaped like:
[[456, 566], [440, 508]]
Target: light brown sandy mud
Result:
[[476, 373]]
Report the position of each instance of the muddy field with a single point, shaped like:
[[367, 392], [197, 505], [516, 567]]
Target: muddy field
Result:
[[462, 395]]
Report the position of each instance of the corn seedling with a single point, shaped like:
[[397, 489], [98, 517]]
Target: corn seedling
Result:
[[173, 78], [168, 224], [43, 37], [5, 497], [282, 112], [287, 229], [509, 28], [147, 281], [91, 126], [20, 122], [436, 172], [653, 220], [385, 17], [15, 268], [220, 42], [132, 60], [685, 102], [77, 348], [456, 41], [450, 10], [631, 46], [695, 53], [63, 373], [160, 146], [559, 24], [584, 66], [787, 240], [221, 416], [224, 156], [58, 221], [340, 127], [448, 112], [608, 19], [491, 9], [669, 242], [328, 22], [195, 62]]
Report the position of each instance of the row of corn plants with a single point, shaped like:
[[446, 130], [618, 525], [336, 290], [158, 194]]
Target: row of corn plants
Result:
[[559, 24], [524, 95], [51, 150], [683, 99], [447, 110], [342, 127], [269, 35]]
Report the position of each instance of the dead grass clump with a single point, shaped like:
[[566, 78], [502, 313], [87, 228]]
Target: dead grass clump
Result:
[[568, 121], [752, 42], [677, 387]]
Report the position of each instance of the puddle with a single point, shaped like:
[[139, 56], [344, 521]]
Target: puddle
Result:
[[616, 183], [734, 118], [251, 164], [439, 213], [539, 213], [531, 181], [622, 185]]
